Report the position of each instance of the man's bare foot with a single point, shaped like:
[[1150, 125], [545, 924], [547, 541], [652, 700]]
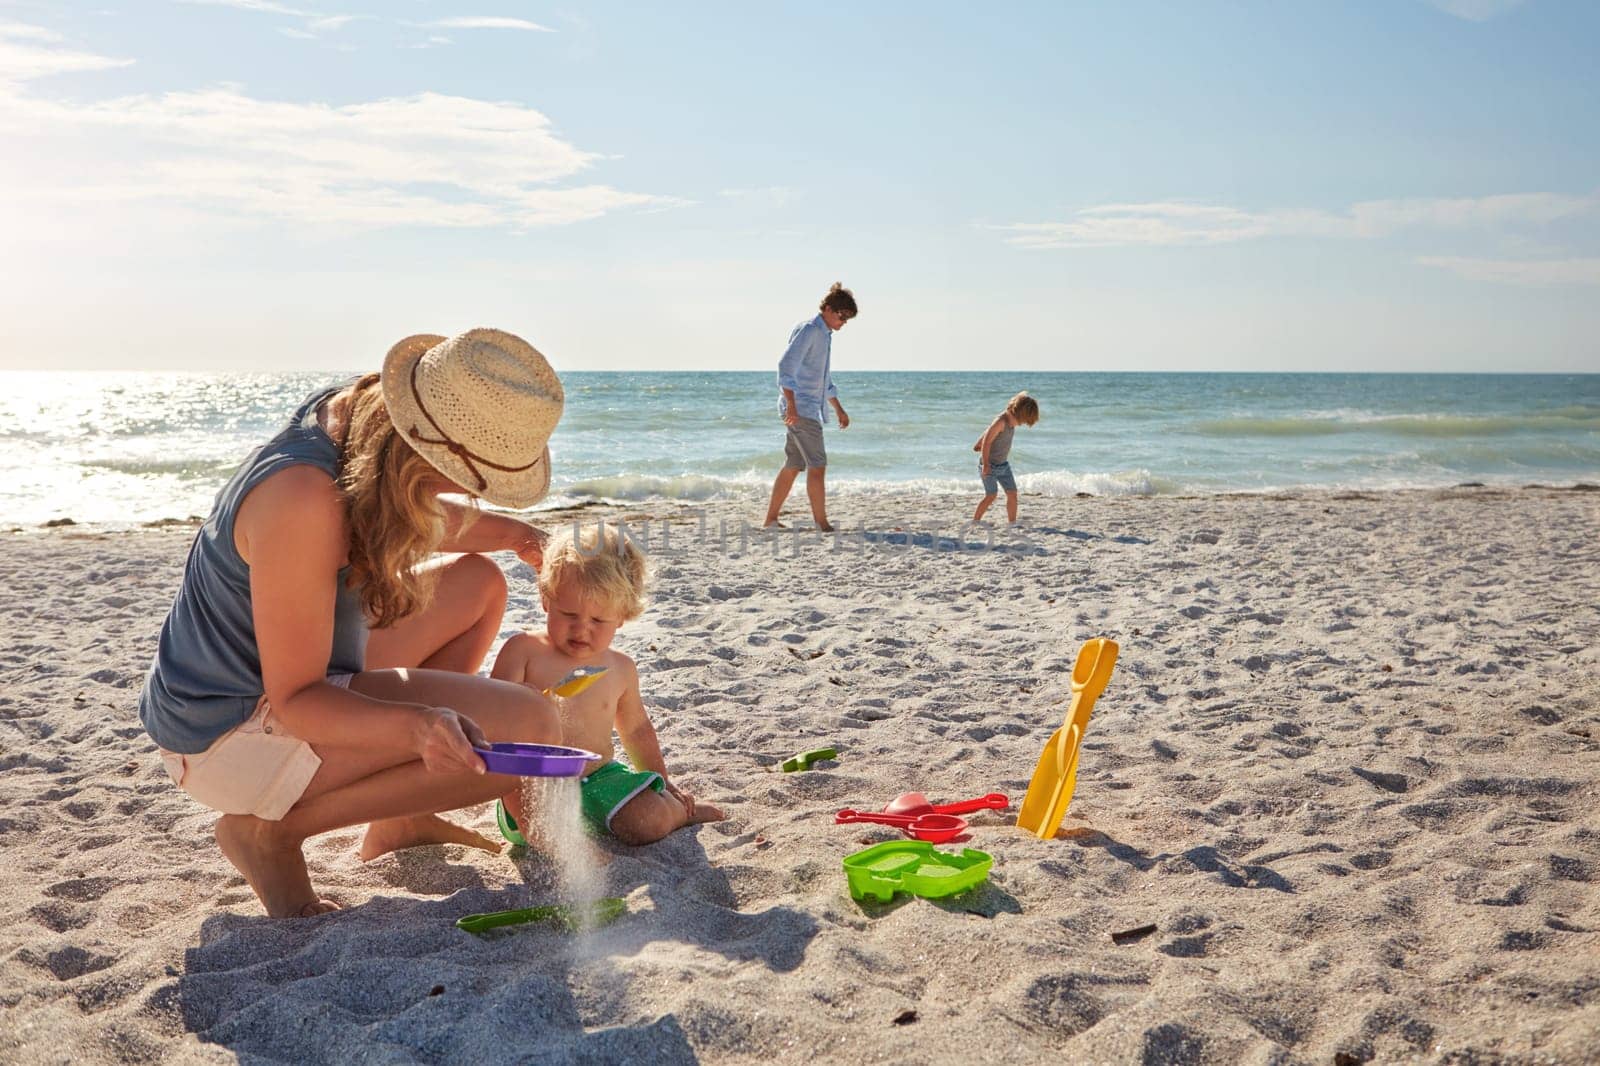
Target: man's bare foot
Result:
[[272, 864], [706, 812], [773, 523], [824, 526], [397, 834]]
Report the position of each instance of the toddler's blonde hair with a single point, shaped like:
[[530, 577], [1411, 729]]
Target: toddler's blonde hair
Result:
[[604, 563], [1024, 408]]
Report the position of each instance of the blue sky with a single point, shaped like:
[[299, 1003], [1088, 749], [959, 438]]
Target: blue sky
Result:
[[255, 184]]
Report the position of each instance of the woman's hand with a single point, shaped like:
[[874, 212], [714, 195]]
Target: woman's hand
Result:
[[531, 550], [445, 741]]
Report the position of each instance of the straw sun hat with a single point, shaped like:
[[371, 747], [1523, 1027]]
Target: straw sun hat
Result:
[[479, 407]]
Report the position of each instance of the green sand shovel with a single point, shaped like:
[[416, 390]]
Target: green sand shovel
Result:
[[567, 917], [805, 759]]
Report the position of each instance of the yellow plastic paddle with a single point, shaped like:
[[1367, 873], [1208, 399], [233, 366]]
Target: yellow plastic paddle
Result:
[[576, 681], [1050, 791]]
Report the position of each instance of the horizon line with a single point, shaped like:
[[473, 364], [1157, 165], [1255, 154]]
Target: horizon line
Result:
[[857, 370]]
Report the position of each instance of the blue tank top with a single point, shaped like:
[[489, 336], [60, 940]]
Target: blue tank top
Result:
[[206, 677]]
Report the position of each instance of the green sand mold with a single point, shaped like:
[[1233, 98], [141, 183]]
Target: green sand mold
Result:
[[804, 760], [563, 916], [916, 867]]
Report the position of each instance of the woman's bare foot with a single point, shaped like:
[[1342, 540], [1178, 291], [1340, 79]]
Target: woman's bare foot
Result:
[[272, 864], [397, 834]]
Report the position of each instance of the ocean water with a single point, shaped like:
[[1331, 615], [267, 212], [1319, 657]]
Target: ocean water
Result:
[[121, 449]]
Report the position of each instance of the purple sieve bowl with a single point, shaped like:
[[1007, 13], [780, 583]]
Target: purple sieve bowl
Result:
[[536, 760]]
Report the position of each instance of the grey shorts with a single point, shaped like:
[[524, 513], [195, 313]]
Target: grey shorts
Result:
[[999, 476], [803, 449]]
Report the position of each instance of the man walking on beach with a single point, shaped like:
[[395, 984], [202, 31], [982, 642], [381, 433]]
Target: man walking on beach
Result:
[[805, 383]]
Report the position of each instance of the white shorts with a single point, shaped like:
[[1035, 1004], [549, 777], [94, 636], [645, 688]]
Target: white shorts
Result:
[[254, 768]]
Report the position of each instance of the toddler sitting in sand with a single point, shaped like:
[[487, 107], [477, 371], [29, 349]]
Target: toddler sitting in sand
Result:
[[590, 586]]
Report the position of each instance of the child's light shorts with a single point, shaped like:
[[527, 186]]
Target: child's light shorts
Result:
[[999, 477], [255, 768]]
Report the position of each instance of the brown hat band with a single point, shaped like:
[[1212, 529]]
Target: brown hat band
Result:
[[460, 451]]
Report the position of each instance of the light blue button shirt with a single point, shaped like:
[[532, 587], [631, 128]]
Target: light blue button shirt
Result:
[[806, 368]]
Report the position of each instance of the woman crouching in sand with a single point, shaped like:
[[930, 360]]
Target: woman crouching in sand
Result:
[[319, 667]]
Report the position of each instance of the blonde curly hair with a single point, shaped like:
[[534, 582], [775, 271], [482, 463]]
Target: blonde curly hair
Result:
[[605, 563]]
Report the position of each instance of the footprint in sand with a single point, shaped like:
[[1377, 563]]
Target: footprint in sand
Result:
[[1175, 1043], [65, 963], [1524, 940], [58, 916], [1164, 751], [1441, 815], [1186, 947], [1387, 782], [81, 889], [1068, 1003], [1567, 868], [873, 710]]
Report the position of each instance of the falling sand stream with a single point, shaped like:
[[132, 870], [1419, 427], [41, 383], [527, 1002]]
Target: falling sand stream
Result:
[[555, 812]]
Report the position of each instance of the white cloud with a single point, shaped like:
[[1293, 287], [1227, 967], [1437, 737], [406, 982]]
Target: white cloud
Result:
[[487, 22], [1114, 225], [19, 31], [1475, 10], [315, 23], [22, 59], [1380, 217], [1529, 272], [432, 42], [1180, 223], [266, 7], [333, 23], [424, 160]]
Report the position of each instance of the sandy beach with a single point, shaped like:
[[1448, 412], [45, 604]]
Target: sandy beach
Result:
[[1348, 767]]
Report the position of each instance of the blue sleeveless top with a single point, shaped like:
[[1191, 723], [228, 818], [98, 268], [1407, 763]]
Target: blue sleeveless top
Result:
[[206, 678]]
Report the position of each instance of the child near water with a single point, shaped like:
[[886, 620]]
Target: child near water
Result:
[[590, 584], [994, 453]]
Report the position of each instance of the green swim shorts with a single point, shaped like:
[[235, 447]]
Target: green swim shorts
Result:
[[608, 790], [604, 793]]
